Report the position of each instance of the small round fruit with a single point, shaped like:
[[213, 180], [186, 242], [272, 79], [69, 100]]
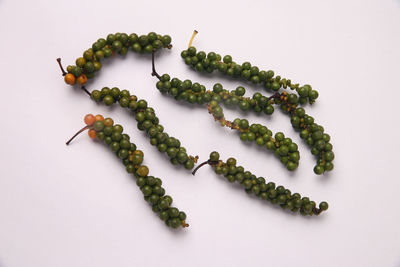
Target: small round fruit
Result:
[[69, 78], [98, 126], [82, 79], [89, 119], [143, 171], [92, 133], [323, 205], [99, 117]]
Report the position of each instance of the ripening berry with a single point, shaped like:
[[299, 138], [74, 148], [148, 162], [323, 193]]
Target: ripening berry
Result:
[[138, 152], [108, 122], [99, 117], [92, 133], [89, 119], [142, 171], [70, 79], [82, 79]]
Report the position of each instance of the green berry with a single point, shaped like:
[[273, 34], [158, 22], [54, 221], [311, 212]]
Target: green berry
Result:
[[189, 164], [116, 45], [313, 94], [244, 124], [217, 88], [173, 212], [231, 162], [214, 156], [323, 205], [192, 51], [227, 59], [328, 166], [291, 166], [279, 136], [118, 128], [269, 110], [96, 95], [319, 169], [329, 156], [108, 100], [283, 150], [166, 40]]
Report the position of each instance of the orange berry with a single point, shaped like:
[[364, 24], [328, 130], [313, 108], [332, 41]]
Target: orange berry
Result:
[[92, 133], [69, 78], [108, 122], [99, 117], [89, 119], [82, 79]]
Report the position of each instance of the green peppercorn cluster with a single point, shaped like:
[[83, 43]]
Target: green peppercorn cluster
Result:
[[266, 191], [310, 131], [283, 147], [146, 121], [203, 62], [151, 187], [119, 43], [196, 93]]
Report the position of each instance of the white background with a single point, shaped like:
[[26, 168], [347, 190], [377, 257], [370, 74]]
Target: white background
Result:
[[77, 206]]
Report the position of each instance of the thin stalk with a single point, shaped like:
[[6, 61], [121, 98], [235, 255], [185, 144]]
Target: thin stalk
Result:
[[81, 130], [86, 90], [154, 72], [61, 67], [209, 162], [191, 38]]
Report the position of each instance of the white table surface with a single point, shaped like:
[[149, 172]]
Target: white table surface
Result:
[[77, 206]]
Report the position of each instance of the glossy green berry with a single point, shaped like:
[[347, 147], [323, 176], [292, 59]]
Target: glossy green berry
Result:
[[319, 169], [323, 205], [227, 59], [231, 162], [189, 164], [96, 95], [313, 94], [279, 136], [191, 51], [166, 39], [214, 156], [329, 166], [291, 166], [173, 212], [329, 156], [89, 67]]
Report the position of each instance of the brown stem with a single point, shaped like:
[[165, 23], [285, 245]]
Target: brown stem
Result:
[[86, 90], [209, 162], [154, 72], [81, 130], [61, 67], [276, 95]]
